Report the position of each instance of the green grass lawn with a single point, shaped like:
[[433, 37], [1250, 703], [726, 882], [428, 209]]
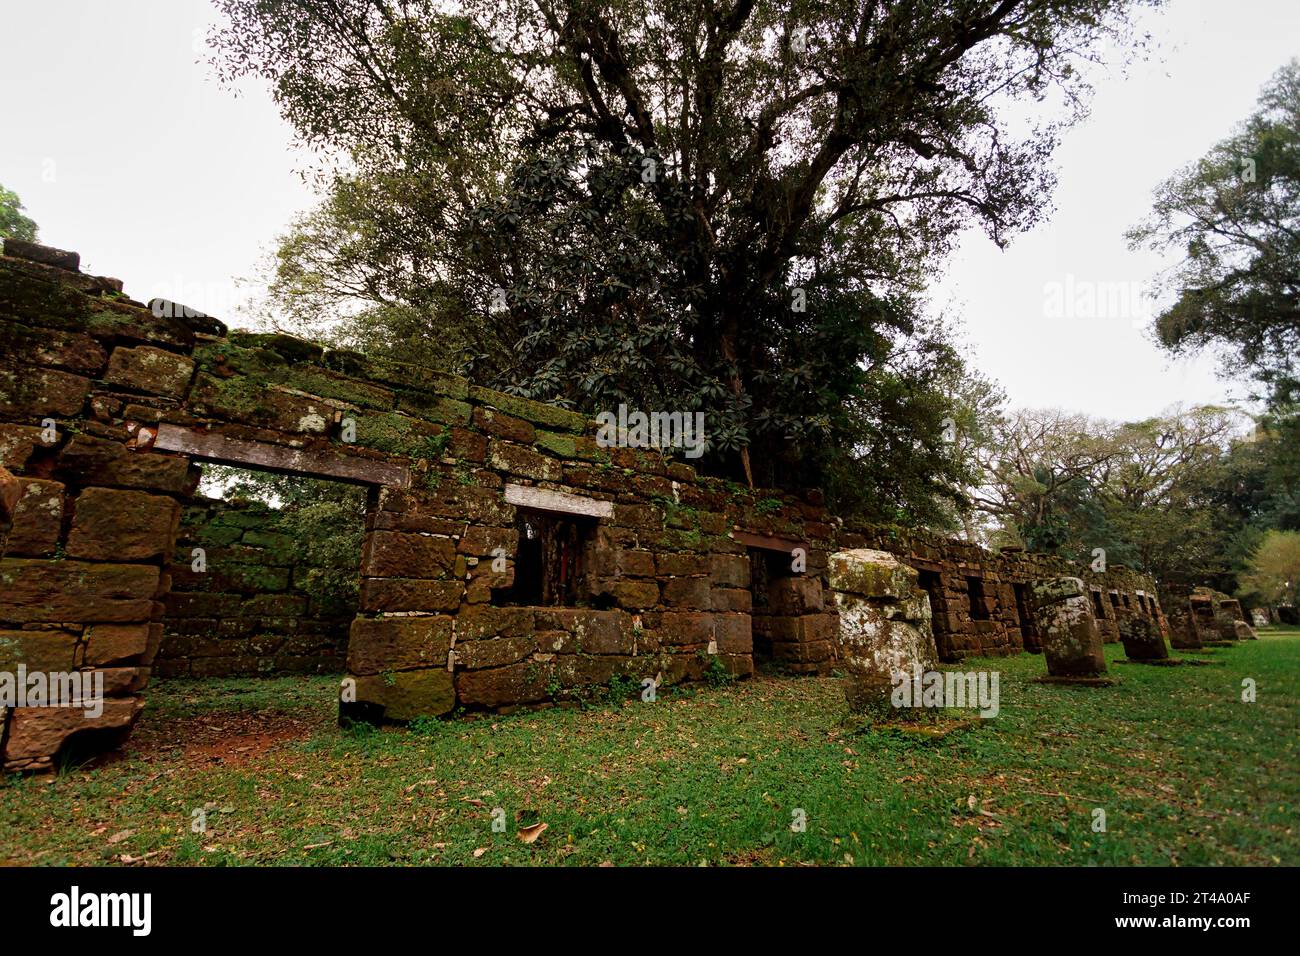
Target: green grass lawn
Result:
[[1186, 772]]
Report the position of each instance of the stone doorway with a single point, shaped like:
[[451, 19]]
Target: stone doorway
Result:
[[1025, 613], [793, 632], [265, 576]]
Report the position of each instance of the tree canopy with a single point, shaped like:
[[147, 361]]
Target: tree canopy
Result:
[[1187, 495], [1234, 215], [718, 206], [13, 224]]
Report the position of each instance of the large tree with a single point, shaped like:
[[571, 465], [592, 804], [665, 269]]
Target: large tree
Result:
[[1038, 470], [1234, 216], [727, 206], [1273, 571]]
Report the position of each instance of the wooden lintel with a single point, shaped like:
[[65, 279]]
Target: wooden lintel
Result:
[[213, 446], [526, 496], [768, 542]]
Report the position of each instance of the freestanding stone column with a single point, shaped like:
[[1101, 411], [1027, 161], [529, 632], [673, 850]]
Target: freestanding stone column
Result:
[[1071, 640], [1142, 639], [884, 623]]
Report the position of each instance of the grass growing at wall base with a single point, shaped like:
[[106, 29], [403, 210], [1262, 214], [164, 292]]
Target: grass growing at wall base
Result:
[[1185, 771]]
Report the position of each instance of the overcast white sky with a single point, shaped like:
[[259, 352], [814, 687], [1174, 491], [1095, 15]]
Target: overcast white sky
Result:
[[123, 148]]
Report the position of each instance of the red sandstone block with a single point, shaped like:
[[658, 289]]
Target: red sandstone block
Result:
[[68, 350], [729, 570], [390, 554], [795, 595], [122, 681], [738, 665], [108, 644], [634, 563], [478, 622], [587, 671], [483, 541], [732, 599], [520, 683], [594, 632], [494, 652], [37, 519], [33, 590], [468, 446], [407, 594], [637, 516], [37, 733], [500, 425], [518, 460], [676, 628], [149, 369], [636, 595], [38, 650], [398, 643], [17, 442], [87, 460], [109, 524], [30, 394], [687, 593], [685, 667], [733, 634], [680, 564], [406, 521], [807, 652]]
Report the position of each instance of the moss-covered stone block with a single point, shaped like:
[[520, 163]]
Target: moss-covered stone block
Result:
[[406, 695], [562, 446], [551, 416]]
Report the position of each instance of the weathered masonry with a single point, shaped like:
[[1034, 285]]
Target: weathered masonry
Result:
[[982, 603], [507, 559]]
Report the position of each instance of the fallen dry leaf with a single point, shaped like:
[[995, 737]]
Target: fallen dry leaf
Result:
[[530, 834]]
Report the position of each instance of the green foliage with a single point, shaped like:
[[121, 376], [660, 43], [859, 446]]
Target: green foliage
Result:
[[689, 211], [1273, 570], [13, 224], [621, 687], [715, 672], [1184, 495], [712, 779], [426, 726], [1235, 216], [324, 520]]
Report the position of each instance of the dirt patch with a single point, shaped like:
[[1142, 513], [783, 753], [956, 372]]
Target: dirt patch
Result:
[[226, 738]]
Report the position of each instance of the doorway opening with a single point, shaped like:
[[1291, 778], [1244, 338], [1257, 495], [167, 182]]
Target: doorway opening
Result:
[[1025, 612], [266, 576], [1098, 607], [979, 605]]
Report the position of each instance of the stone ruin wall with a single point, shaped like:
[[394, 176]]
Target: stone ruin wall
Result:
[[107, 404], [981, 602], [1203, 617], [251, 610]]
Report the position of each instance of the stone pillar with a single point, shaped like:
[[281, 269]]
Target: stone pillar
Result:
[[1142, 639], [884, 623], [1071, 641]]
